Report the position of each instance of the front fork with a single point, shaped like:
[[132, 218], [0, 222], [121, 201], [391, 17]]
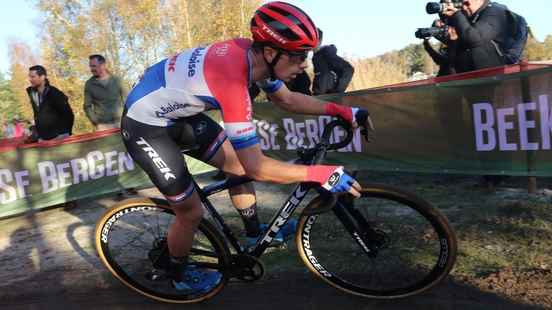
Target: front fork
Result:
[[369, 240]]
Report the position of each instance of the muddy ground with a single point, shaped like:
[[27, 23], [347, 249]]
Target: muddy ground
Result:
[[48, 261]]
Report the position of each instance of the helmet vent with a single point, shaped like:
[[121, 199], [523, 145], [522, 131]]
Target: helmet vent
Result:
[[280, 28], [295, 20]]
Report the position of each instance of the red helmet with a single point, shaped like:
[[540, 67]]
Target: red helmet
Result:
[[284, 26]]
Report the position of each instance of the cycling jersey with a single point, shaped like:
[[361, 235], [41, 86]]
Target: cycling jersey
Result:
[[200, 79]]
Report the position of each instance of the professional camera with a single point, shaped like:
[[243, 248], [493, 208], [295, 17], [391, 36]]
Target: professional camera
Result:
[[439, 33], [439, 7]]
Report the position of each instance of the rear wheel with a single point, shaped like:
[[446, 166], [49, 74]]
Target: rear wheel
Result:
[[131, 242], [386, 244]]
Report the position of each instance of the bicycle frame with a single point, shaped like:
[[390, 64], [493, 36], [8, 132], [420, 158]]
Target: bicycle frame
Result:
[[281, 217]]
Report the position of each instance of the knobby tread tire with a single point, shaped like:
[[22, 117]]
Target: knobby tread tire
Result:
[[438, 221], [205, 227]]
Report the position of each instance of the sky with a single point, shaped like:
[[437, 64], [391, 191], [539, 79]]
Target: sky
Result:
[[359, 28]]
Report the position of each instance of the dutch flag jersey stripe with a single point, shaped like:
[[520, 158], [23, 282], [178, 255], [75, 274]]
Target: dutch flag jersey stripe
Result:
[[198, 79]]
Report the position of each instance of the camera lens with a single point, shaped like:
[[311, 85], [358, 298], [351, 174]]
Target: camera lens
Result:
[[433, 7]]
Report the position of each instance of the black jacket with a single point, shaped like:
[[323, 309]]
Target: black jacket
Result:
[[332, 74], [479, 37], [443, 58], [301, 83], [53, 116]]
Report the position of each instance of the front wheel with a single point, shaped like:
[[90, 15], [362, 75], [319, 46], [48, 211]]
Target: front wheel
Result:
[[131, 242], [386, 244]]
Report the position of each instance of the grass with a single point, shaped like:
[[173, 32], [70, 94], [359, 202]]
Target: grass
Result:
[[507, 228], [510, 234]]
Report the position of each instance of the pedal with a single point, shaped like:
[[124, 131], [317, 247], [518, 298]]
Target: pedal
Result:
[[247, 268]]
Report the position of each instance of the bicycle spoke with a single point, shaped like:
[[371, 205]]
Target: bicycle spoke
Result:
[[136, 250], [404, 246], [199, 252]]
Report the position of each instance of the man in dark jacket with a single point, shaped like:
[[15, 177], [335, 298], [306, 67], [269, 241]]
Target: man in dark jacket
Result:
[[446, 55], [301, 84], [53, 116], [482, 28], [332, 74]]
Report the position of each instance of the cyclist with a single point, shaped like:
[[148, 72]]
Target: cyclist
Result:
[[163, 116]]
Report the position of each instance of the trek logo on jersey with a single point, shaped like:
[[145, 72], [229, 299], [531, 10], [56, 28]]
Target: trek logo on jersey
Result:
[[174, 106], [194, 60], [274, 35], [157, 160]]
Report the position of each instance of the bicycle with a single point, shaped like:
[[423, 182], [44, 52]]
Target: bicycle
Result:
[[387, 244]]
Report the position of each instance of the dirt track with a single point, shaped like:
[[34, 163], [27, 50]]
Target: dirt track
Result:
[[49, 262]]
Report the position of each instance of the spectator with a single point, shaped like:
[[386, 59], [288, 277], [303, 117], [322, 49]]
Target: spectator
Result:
[[482, 27], [446, 55], [441, 58], [103, 96], [27, 128], [53, 116], [301, 84], [9, 130], [19, 128], [332, 74]]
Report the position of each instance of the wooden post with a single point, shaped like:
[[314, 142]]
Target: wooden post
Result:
[[532, 134]]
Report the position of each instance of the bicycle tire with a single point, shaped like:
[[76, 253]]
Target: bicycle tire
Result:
[[144, 252], [329, 250]]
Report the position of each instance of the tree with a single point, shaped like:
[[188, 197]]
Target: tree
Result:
[[414, 55], [9, 109], [21, 58], [131, 34], [548, 47]]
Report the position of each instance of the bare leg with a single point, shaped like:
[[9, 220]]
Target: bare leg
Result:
[[181, 233], [225, 159], [243, 196]]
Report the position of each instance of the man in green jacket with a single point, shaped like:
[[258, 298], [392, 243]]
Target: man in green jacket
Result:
[[103, 95]]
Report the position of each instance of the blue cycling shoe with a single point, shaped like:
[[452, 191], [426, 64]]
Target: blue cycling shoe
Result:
[[197, 280], [283, 234]]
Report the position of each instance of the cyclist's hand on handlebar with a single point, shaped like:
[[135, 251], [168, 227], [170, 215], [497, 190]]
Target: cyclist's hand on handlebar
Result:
[[356, 116], [334, 179]]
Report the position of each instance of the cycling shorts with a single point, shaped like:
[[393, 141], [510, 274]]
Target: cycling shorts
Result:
[[158, 150]]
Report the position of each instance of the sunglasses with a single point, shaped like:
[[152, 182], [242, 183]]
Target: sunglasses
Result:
[[297, 57]]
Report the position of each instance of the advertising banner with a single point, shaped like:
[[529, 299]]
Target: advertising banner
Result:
[[52, 172], [481, 123], [500, 124]]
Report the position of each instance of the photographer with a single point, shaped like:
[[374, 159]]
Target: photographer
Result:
[[482, 27], [446, 55], [332, 73]]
